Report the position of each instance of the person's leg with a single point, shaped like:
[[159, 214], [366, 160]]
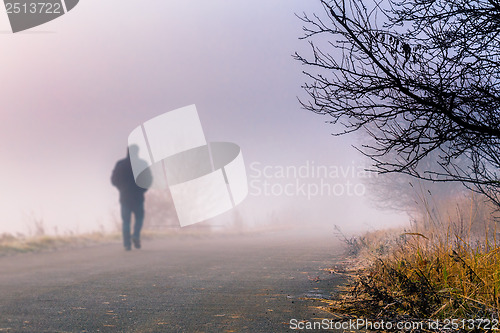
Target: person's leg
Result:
[[126, 216], [139, 219]]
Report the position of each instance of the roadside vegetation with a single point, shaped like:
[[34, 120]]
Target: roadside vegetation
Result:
[[445, 265], [160, 221], [15, 244], [12, 244]]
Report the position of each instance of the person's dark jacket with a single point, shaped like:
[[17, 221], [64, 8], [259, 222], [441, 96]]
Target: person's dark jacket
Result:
[[123, 178]]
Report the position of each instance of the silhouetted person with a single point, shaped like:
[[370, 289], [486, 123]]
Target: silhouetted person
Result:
[[131, 195]]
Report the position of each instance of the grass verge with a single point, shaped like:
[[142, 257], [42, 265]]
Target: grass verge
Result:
[[431, 271], [10, 244]]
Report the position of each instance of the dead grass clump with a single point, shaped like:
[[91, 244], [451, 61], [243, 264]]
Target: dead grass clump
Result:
[[442, 270]]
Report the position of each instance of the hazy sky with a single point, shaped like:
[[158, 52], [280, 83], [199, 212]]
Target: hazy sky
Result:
[[74, 88]]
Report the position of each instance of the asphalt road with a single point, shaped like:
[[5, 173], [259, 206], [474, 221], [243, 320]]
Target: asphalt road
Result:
[[254, 283]]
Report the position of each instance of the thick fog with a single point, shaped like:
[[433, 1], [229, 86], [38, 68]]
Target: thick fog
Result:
[[73, 89]]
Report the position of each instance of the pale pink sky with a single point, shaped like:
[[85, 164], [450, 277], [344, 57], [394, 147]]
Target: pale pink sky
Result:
[[74, 88]]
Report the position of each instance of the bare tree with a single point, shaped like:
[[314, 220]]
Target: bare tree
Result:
[[422, 77]]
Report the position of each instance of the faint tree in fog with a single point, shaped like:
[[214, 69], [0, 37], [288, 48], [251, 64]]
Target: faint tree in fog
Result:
[[401, 192], [160, 210], [420, 76]]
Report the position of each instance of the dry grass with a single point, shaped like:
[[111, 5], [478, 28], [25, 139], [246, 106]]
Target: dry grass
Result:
[[20, 243], [439, 268], [10, 244]]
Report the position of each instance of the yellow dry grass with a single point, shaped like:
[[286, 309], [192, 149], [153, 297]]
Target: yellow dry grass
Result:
[[443, 266]]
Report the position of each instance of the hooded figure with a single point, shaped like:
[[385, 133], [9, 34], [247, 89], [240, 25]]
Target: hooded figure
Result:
[[131, 196]]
